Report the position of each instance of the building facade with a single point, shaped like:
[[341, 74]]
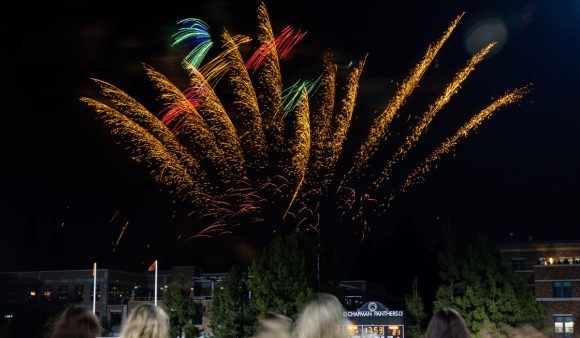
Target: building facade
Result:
[[552, 270], [118, 292]]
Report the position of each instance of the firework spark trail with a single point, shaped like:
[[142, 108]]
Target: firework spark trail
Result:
[[287, 40], [269, 87], [421, 127], [135, 111], [418, 174], [150, 152], [378, 131], [259, 56], [120, 236], [292, 95], [197, 31], [299, 143], [174, 115], [220, 124], [173, 97], [245, 106], [114, 216], [340, 122], [214, 70], [194, 132], [283, 44], [320, 124], [234, 206]]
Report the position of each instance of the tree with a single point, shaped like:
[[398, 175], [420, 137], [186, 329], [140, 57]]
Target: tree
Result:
[[284, 278], [415, 311], [486, 292], [183, 311], [231, 314]]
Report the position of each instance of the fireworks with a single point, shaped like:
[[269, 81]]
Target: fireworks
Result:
[[378, 132], [419, 173], [196, 31], [451, 89], [272, 158]]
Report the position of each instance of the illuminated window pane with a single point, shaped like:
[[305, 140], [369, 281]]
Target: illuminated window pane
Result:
[[47, 291], [569, 327], [79, 292], [98, 292], [564, 326]]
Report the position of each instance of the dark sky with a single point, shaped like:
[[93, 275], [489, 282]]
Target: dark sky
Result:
[[62, 178]]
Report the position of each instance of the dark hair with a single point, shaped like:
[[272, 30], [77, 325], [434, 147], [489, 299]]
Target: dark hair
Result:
[[447, 323], [77, 322]]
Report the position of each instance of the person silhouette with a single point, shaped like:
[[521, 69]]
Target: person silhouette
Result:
[[322, 317], [77, 321], [447, 323], [146, 321]]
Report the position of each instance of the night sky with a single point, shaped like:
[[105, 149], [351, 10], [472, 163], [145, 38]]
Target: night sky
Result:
[[63, 178]]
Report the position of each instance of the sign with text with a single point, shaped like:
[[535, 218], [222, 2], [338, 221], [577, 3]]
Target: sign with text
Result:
[[374, 320]]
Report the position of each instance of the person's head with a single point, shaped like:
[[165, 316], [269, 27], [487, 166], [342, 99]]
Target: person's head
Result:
[[447, 323], [322, 317], [146, 321], [273, 325], [77, 322]]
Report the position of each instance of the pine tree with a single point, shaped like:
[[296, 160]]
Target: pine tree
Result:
[[284, 278], [183, 311], [231, 313], [415, 311], [484, 291]]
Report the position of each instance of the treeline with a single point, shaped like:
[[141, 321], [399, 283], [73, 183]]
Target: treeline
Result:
[[491, 297]]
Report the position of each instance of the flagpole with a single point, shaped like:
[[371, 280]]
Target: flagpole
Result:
[[155, 282], [94, 287]]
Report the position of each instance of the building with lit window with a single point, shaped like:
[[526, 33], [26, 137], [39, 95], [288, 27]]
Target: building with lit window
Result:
[[117, 291], [552, 270]]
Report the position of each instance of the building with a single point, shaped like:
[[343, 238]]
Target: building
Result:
[[118, 292], [552, 270]]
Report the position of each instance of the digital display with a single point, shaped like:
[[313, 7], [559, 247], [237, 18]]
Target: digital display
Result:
[[376, 331]]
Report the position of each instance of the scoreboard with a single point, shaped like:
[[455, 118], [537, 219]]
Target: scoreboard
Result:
[[377, 331], [374, 320]]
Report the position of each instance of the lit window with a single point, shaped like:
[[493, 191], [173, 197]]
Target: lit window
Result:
[[98, 292], [562, 289], [565, 260], [564, 326], [47, 291], [577, 260], [518, 264], [79, 292], [32, 293], [541, 261]]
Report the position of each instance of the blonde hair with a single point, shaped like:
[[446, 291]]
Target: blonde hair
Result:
[[273, 325], [322, 317], [146, 321]]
